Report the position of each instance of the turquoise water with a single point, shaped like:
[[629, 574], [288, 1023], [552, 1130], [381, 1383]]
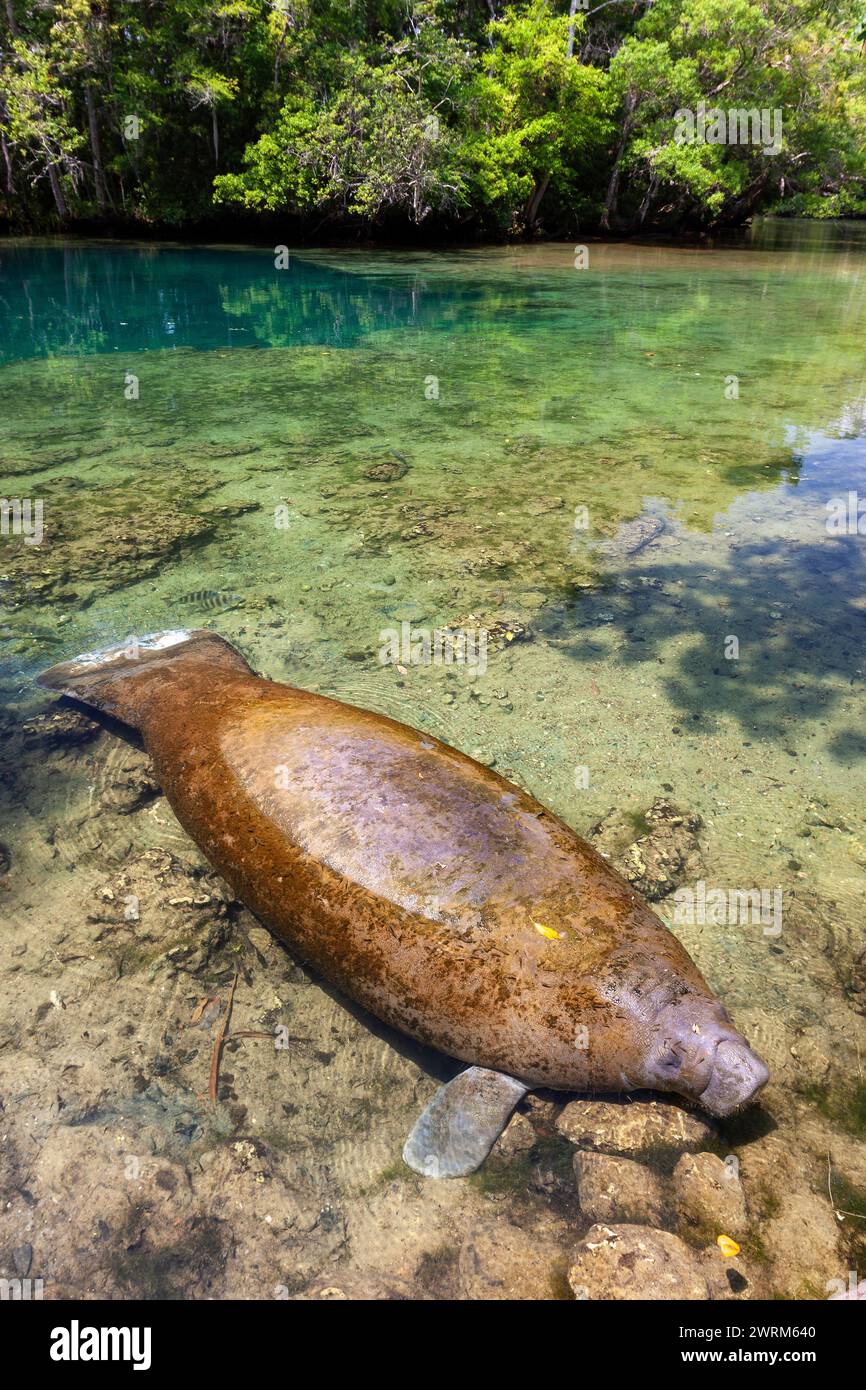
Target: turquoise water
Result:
[[76, 299], [623, 466]]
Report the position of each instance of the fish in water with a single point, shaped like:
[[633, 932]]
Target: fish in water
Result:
[[632, 537], [211, 600], [388, 470], [415, 880]]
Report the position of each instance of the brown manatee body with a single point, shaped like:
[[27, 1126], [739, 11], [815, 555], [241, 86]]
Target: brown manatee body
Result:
[[445, 900]]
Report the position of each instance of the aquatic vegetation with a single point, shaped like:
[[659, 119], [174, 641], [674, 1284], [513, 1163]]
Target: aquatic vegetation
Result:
[[843, 1103], [849, 1200], [437, 1273]]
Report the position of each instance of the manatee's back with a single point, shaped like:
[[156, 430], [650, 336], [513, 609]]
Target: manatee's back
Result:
[[392, 810], [440, 896]]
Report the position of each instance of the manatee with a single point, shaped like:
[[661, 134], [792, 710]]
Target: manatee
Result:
[[446, 901]]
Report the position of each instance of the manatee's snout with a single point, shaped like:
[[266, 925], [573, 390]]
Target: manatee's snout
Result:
[[698, 1053], [737, 1076]]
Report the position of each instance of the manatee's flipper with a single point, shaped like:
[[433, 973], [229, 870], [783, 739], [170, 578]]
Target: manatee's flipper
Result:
[[456, 1132]]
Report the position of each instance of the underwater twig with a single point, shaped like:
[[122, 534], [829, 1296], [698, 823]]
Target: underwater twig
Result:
[[218, 1044], [830, 1186]]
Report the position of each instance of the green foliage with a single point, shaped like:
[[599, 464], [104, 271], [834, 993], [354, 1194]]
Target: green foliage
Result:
[[371, 141], [502, 118], [794, 58], [538, 118], [35, 122]]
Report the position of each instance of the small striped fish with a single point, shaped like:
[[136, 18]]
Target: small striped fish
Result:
[[211, 600]]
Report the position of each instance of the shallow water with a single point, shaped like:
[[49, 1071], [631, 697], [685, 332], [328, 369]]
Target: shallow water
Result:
[[623, 466]]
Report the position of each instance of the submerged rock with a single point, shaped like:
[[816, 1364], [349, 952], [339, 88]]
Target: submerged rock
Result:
[[356, 1286], [631, 1127], [802, 1241], [518, 1137], [635, 1262], [503, 1261], [709, 1197], [103, 541], [389, 470], [661, 859], [618, 1189], [541, 506], [632, 537], [60, 728], [499, 633], [858, 979], [129, 782], [159, 908]]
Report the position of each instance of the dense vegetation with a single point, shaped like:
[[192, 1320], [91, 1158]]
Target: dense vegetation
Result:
[[475, 117]]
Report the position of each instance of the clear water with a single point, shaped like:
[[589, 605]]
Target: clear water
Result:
[[508, 390]]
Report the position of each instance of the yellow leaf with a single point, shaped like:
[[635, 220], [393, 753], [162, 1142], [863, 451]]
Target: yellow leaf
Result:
[[546, 931], [727, 1246]]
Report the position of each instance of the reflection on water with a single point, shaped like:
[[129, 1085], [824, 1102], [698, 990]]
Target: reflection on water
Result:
[[68, 299], [628, 466]]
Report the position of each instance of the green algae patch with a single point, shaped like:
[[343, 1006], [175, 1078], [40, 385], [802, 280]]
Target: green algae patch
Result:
[[844, 1105], [143, 1267]]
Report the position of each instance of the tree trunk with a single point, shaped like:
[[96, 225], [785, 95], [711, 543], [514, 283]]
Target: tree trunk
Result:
[[12, 21], [216, 134], [7, 158], [647, 200], [572, 10], [612, 194], [745, 206], [59, 201], [491, 9], [96, 150], [535, 201], [612, 191], [279, 50], [10, 181]]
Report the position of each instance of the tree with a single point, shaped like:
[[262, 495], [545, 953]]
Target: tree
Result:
[[494, 117], [540, 116], [369, 137], [790, 58], [39, 136]]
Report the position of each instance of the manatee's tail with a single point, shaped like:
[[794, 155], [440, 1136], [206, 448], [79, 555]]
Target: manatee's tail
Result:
[[127, 679]]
